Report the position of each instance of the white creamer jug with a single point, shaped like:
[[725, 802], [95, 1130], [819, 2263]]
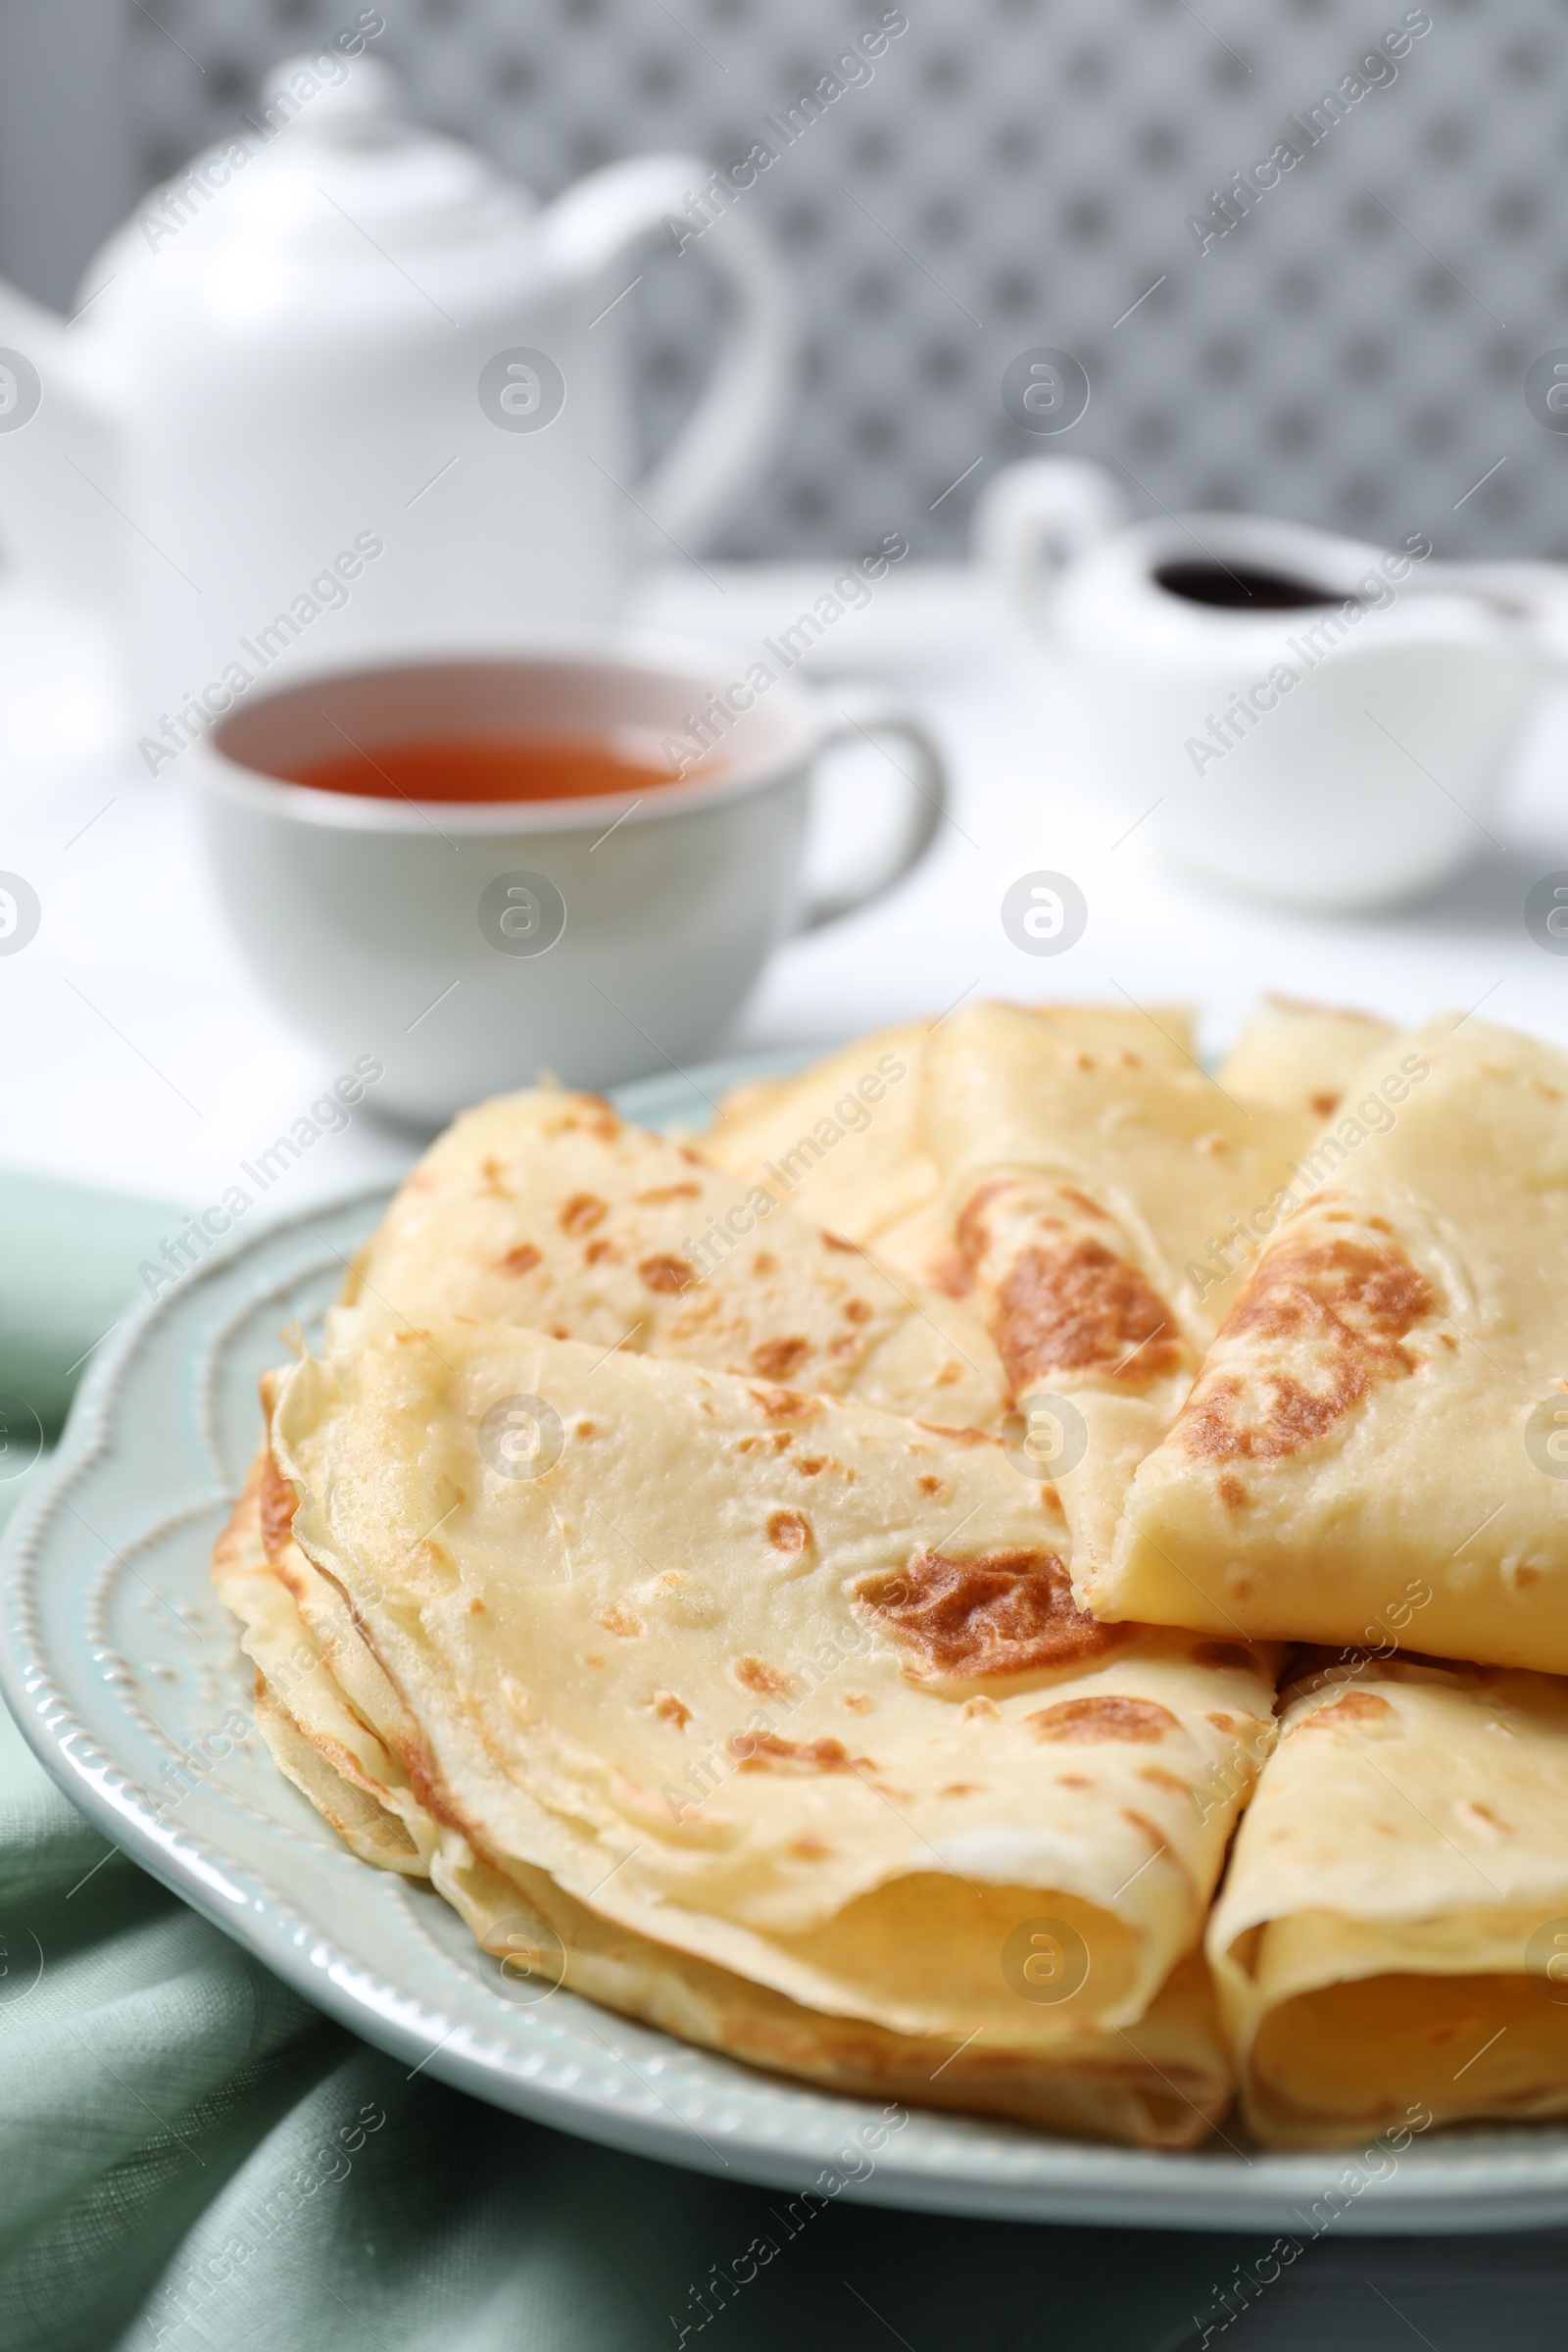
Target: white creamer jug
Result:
[[1307, 717]]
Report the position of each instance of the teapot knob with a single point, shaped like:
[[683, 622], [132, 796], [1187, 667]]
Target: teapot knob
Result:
[[364, 108]]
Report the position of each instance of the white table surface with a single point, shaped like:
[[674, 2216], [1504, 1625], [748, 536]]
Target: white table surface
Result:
[[137, 1051]]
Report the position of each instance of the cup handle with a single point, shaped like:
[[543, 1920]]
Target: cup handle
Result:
[[865, 718], [1034, 518]]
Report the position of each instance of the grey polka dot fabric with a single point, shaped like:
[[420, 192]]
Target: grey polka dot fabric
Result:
[[1343, 338]]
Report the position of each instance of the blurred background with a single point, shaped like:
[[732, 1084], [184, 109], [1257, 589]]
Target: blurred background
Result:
[[1016, 172]]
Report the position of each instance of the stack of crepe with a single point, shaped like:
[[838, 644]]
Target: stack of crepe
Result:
[[664, 1558]]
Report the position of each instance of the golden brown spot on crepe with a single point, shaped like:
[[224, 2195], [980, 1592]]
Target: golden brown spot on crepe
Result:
[[1006, 1612], [1140, 1821], [963, 1789], [964, 1436], [789, 1531], [1230, 1491], [1222, 1723], [475, 1605], [670, 1710], [1221, 1654], [1380, 1224], [778, 1357], [597, 1252], [951, 1271], [1212, 1145], [277, 1502], [1073, 1780], [809, 1849], [765, 1262], [1158, 1778], [972, 1234], [1553, 1094], [519, 1260], [1449, 1341], [858, 1311], [582, 1212], [765, 1751], [860, 1702], [1108, 1717], [686, 1191], [932, 1486], [1323, 1106], [617, 1620], [1078, 1308], [1341, 1308], [757, 1677], [1356, 1707], [810, 1464], [665, 1272], [1082, 1202], [777, 1402], [973, 1707], [836, 1241]]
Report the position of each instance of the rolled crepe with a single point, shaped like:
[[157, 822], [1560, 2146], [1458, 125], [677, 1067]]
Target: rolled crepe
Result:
[[783, 1684], [1385, 1403], [1096, 1197], [1301, 1057], [1394, 1928]]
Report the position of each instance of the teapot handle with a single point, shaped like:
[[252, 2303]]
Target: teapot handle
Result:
[[741, 413]]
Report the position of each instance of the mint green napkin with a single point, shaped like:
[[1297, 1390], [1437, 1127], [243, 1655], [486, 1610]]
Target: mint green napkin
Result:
[[191, 2156]]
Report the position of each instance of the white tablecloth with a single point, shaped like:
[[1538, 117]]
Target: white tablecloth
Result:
[[139, 1054]]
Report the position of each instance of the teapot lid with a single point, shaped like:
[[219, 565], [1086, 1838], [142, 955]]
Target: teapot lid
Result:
[[329, 161], [345, 134]]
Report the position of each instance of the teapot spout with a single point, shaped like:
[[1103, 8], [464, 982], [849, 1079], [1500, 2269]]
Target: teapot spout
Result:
[[57, 452]]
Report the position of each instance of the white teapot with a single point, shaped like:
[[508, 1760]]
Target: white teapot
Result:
[[342, 388]]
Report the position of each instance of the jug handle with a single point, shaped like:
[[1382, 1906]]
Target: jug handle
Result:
[[741, 413], [1035, 518]]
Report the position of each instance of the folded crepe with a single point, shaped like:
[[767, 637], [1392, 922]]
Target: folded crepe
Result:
[[1387, 1397], [1104, 1202], [1302, 1057], [832, 1791], [1392, 1931], [841, 1143], [844, 1141], [546, 1208], [1160, 2083]]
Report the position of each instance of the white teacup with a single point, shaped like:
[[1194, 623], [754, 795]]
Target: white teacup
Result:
[[1309, 718], [470, 945]]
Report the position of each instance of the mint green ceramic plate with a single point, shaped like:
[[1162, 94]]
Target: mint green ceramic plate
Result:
[[124, 1672]]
